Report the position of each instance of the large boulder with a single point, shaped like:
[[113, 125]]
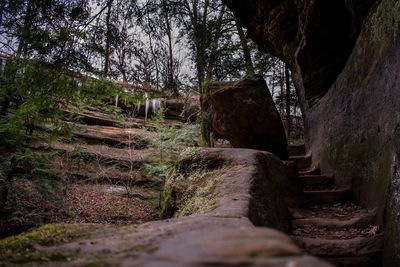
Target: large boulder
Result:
[[244, 113]]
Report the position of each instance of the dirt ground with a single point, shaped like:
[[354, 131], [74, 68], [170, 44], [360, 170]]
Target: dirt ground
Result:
[[77, 203]]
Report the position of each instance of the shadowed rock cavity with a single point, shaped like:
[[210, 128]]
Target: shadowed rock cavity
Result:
[[244, 113], [345, 60]]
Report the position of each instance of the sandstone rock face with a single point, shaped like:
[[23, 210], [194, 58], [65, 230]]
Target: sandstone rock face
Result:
[[345, 58], [244, 113]]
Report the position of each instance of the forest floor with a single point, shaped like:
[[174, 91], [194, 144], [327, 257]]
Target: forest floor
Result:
[[78, 203], [99, 177]]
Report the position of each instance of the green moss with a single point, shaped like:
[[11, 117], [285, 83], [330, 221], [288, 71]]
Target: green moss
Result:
[[23, 247], [95, 263], [200, 196], [126, 229], [205, 132], [368, 165], [392, 235], [192, 160], [191, 188], [386, 19], [57, 257], [39, 257], [168, 203]]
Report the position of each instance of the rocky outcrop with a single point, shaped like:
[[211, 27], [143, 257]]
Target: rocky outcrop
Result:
[[315, 37], [253, 188], [345, 58], [244, 113]]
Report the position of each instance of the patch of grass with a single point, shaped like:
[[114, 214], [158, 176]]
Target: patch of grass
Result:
[[96, 263], [170, 144], [191, 188], [23, 247]]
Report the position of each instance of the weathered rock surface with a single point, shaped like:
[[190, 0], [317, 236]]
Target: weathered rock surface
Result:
[[345, 58], [222, 236], [244, 113]]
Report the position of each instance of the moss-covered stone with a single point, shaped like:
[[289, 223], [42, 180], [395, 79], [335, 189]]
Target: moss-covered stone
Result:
[[96, 263], [392, 235], [23, 247], [367, 164], [168, 203], [190, 189]]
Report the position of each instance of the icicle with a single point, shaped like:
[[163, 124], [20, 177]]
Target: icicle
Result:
[[154, 104], [116, 101], [158, 103], [147, 106], [3, 63]]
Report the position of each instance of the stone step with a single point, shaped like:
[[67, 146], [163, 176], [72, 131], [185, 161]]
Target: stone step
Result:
[[297, 150], [370, 260], [358, 251], [311, 171], [328, 196], [317, 180], [302, 162], [125, 159], [94, 118], [359, 219]]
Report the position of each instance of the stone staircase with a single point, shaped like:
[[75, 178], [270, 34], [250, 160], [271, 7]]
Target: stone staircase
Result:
[[331, 226]]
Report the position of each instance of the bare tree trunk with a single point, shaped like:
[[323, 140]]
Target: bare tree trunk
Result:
[[214, 46], [2, 7], [171, 79], [288, 117], [273, 83], [282, 84], [155, 63], [245, 48], [6, 188], [22, 45], [200, 67], [199, 30], [153, 54], [203, 33], [4, 105], [108, 40]]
